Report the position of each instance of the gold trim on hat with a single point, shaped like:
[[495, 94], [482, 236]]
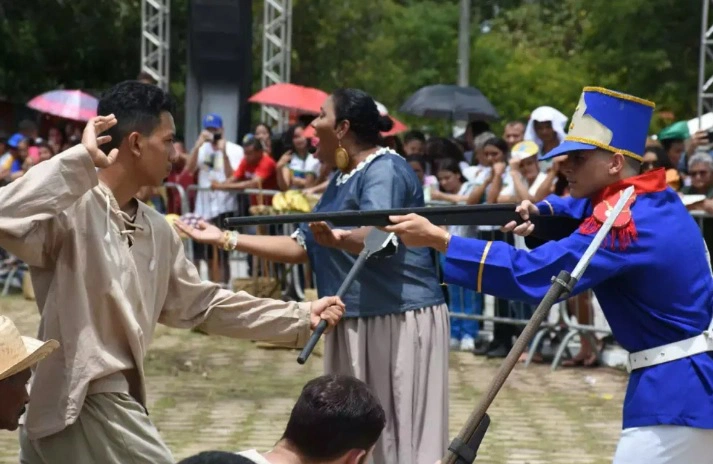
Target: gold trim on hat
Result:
[[604, 146], [621, 96]]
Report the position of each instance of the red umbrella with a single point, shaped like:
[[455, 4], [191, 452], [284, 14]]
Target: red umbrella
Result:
[[291, 97], [70, 104], [397, 129]]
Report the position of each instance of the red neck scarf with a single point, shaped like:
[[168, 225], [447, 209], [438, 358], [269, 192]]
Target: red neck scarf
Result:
[[623, 231]]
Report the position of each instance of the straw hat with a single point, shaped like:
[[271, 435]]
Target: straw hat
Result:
[[17, 353]]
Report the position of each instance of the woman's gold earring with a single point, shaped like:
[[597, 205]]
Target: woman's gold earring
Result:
[[341, 157]]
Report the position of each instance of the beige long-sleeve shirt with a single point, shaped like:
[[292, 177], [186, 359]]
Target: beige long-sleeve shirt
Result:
[[101, 289]]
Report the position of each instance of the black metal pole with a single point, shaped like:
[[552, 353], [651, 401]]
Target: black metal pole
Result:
[[322, 326]]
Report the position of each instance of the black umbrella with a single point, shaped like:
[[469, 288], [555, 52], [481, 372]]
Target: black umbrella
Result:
[[450, 102]]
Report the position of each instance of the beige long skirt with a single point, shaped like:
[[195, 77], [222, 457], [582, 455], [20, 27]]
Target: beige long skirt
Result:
[[404, 359]]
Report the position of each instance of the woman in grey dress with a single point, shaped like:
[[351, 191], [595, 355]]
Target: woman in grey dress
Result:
[[394, 335]]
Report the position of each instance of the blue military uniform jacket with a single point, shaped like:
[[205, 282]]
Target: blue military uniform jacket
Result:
[[657, 290]]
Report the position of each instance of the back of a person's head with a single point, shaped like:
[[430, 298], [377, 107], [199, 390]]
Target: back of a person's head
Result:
[[137, 107], [216, 457], [478, 127], [357, 107], [414, 135], [441, 147], [334, 415]]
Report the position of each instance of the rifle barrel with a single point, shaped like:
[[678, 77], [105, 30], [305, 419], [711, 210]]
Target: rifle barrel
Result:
[[546, 227]]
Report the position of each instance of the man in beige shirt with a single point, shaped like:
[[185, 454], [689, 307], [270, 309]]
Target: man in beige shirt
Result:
[[106, 269]]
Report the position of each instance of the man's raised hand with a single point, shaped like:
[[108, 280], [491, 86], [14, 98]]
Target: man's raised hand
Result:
[[92, 140], [525, 209]]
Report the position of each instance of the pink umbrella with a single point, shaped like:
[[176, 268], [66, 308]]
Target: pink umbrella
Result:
[[291, 97], [70, 104]]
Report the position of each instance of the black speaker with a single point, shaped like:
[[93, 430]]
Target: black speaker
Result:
[[220, 38]]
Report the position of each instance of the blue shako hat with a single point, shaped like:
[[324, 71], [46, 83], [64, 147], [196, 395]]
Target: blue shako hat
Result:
[[610, 120]]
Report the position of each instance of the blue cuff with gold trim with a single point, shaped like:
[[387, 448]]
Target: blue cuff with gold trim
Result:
[[545, 208], [465, 260]]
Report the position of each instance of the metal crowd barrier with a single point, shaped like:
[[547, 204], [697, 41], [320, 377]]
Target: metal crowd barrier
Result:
[[237, 265]]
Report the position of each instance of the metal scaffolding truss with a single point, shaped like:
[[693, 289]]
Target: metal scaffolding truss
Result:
[[276, 53], [155, 39], [705, 78]]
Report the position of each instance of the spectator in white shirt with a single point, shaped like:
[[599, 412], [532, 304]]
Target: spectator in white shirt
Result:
[[215, 159], [480, 168]]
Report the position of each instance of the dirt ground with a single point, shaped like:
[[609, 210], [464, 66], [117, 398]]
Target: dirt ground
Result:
[[218, 393]]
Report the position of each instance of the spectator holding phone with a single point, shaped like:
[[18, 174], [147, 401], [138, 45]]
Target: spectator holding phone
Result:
[[214, 159]]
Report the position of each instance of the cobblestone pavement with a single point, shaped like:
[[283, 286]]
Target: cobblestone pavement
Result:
[[218, 393]]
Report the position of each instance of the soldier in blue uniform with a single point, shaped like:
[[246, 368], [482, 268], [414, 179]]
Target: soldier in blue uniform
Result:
[[651, 276]]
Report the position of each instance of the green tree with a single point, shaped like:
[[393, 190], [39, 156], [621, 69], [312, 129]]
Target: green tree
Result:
[[529, 59], [84, 44], [647, 48]]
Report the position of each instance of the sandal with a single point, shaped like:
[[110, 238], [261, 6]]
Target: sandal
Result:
[[590, 361]]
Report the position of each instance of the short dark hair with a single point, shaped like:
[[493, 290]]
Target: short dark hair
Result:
[[668, 143], [477, 127], [515, 122], [253, 142], [500, 144], [441, 147], [216, 457], [414, 135], [450, 165], [420, 159], [334, 414], [357, 107], [137, 107]]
